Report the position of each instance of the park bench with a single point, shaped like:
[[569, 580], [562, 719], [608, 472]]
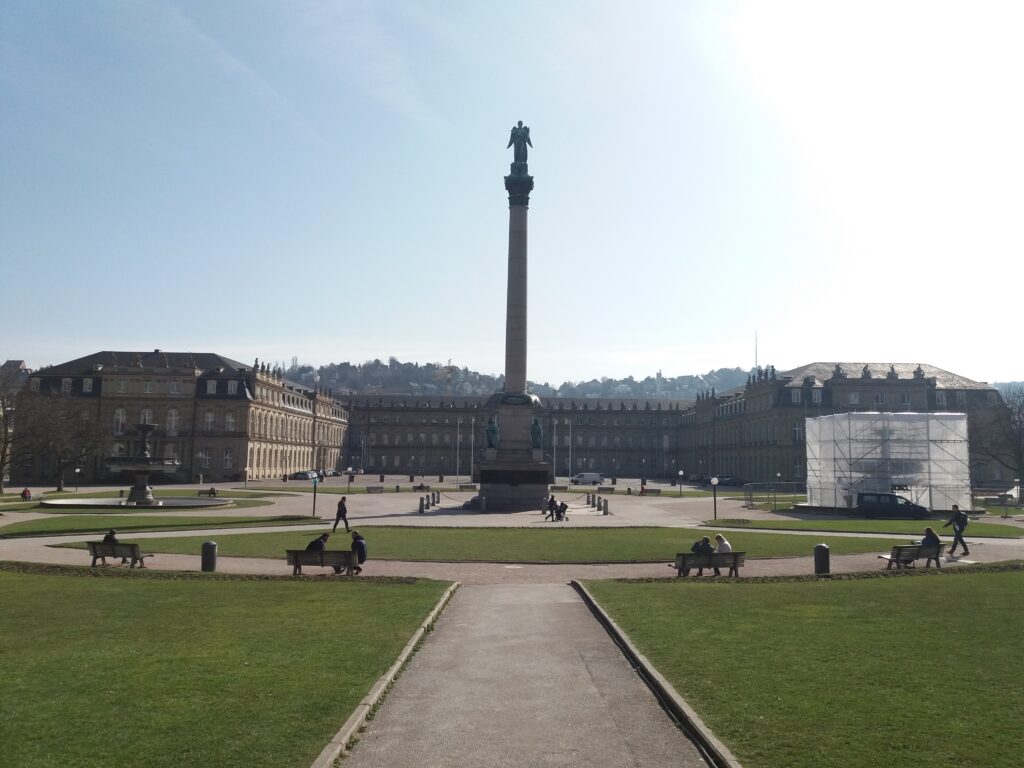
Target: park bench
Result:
[[689, 560], [467, 486], [375, 489], [606, 489], [342, 559], [211, 492], [644, 491], [421, 487], [904, 555], [101, 551]]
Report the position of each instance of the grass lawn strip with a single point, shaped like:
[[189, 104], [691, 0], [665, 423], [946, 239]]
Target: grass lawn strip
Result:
[[518, 545], [52, 526], [837, 673], [906, 527], [126, 510], [171, 672]]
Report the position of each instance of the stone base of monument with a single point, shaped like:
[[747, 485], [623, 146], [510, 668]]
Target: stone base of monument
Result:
[[512, 486], [514, 476]]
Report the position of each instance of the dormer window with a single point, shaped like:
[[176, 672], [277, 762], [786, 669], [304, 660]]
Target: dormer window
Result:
[[232, 387], [211, 387]]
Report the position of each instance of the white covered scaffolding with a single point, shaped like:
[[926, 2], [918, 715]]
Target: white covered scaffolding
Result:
[[921, 456]]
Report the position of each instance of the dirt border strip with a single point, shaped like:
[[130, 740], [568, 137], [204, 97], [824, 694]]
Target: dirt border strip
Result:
[[713, 750], [339, 743]]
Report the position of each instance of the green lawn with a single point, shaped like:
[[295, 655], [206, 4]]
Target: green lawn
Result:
[[523, 545], [907, 527], [164, 492], [833, 673], [174, 671], [50, 526], [86, 510]]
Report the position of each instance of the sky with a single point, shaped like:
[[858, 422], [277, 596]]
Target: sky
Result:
[[323, 180]]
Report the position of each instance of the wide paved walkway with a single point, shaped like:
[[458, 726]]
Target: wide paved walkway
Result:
[[520, 675]]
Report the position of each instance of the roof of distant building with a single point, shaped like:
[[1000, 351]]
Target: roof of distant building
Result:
[[822, 371], [155, 359]]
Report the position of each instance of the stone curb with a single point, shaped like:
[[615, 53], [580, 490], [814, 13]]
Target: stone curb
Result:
[[717, 754], [357, 719]]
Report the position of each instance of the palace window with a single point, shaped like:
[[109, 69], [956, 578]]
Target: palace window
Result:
[[940, 399], [879, 398], [853, 398], [172, 421], [208, 421], [232, 387], [795, 396], [122, 386], [229, 421], [65, 386], [120, 418], [146, 417], [147, 387], [33, 385], [816, 396], [172, 387], [229, 458], [87, 385], [211, 387]]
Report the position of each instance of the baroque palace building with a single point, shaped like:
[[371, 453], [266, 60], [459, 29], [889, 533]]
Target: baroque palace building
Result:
[[223, 420], [755, 432], [219, 417]]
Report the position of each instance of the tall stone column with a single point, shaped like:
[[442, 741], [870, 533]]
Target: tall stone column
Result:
[[519, 187]]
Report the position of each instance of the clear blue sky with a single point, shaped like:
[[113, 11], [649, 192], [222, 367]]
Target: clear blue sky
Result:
[[324, 179]]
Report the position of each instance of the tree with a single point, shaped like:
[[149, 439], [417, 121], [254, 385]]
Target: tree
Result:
[[54, 425], [999, 432], [8, 393]]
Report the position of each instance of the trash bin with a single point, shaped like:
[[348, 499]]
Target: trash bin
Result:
[[209, 556], [382, 477], [821, 560], [412, 478]]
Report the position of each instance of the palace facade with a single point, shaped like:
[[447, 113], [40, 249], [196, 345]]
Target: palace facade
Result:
[[221, 419]]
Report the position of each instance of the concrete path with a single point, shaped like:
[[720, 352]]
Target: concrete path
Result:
[[520, 676]]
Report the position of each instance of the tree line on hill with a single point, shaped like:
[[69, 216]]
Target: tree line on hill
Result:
[[395, 377]]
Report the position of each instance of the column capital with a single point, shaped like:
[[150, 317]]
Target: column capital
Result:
[[519, 187]]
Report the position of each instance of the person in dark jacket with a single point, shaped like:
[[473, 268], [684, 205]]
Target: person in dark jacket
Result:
[[342, 515], [359, 548], [700, 547], [931, 538], [319, 544], [111, 538], [959, 522]]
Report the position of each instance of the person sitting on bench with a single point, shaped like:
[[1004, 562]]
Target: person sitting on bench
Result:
[[111, 538], [319, 544], [702, 547]]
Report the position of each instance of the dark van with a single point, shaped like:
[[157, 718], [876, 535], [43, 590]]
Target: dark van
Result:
[[889, 505]]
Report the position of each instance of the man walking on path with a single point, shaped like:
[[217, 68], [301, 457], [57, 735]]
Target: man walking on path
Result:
[[342, 515], [959, 522]]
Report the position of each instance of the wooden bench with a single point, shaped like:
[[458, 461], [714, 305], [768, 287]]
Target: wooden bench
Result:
[[904, 555], [467, 486], [375, 489], [212, 493], [686, 561], [101, 551], [645, 491], [606, 489], [340, 560]]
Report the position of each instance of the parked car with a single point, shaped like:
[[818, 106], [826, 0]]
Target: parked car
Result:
[[889, 505], [586, 478], [306, 475]]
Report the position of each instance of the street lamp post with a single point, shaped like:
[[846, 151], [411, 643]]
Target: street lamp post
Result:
[[458, 448], [714, 494], [775, 492], [78, 471], [681, 483], [316, 481], [348, 487]]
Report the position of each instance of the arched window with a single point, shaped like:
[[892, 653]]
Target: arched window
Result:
[[146, 417]]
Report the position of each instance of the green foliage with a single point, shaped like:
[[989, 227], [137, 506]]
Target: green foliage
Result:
[[165, 672], [517, 545], [922, 671]]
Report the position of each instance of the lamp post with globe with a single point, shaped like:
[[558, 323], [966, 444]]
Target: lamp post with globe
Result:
[[714, 494]]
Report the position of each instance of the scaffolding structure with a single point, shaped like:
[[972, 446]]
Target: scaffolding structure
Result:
[[921, 456]]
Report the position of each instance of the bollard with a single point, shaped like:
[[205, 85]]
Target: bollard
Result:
[[209, 556], [382, 478], [594, 501], [605, 506], [397, 488], [437, 497], [629, 490], [421, 505], [821, 560], [426, 502], [483, 503]]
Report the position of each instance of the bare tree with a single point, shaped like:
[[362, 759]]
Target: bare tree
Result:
[[54, 425], [1001, 432]]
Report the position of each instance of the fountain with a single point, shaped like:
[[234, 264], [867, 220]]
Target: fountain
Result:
[[141, 494]]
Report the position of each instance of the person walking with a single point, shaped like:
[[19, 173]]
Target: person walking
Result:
[[341, 516], [359, 550], [959, 522], [552, 508]]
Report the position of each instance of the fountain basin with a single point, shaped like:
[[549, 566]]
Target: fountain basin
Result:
[[168, 502]]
